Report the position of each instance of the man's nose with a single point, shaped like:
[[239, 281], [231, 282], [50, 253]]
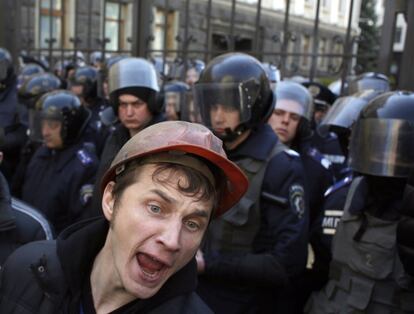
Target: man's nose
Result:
[[170, 236]]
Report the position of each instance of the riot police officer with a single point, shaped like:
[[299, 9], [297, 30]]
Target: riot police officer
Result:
[[28, 94], [291, 121], [133, 88], [28, 70], [366, 273], [339, 120], [175, 98], [250, 253], [273, 74], [10, 124], [84, 84], [60, 176]]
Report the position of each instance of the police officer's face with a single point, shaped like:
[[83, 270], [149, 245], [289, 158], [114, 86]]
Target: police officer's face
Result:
[[285, 123], [155, 231], [133, 113], [51, 132], [224, 117], [171, 100], [192, 76]]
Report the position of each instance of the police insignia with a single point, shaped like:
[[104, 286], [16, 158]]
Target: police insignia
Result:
[[86, 192], [297, 199], [84, 157]]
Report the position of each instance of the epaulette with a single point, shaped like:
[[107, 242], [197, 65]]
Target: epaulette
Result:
[[84, 156], [319, 158], [340, 184], [292, 152]]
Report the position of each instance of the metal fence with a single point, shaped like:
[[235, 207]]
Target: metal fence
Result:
[[90, 29]]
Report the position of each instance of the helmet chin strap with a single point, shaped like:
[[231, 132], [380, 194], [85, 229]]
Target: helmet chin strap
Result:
[[231, 135]]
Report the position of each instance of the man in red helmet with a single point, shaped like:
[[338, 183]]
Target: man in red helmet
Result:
[[159, 195]]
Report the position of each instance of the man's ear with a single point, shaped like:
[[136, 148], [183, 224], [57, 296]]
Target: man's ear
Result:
[[108, 201]]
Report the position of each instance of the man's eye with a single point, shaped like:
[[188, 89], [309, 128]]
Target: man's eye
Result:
[[155, 209], [192, 225]]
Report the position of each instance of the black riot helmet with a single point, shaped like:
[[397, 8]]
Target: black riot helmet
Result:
[[343, 114], [235, 81], [87, 77], [35, 86], [6, 69], [383, 136], [135, 76], [369, 80], [28, 70], [63, 106]]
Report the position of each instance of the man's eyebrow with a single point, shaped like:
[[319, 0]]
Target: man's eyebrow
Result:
[[164, 196], [198, 212]]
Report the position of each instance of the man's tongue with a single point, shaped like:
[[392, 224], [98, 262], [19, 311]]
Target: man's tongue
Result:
[[149, 264]]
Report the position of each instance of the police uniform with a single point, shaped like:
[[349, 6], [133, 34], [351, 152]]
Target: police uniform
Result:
[[252, 251], [60, 183], [14, 131], [366, 274]]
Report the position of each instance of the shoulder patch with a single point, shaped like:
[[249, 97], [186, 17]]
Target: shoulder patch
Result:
[[319, 158], [340, 184], [292, 152], [297, 200], [86, 192], [84, 156]]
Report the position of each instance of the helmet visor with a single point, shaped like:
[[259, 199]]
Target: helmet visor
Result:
[[292, 101], [368, 84], [382, 147], [35, 125], [343, 114], [229, 98]]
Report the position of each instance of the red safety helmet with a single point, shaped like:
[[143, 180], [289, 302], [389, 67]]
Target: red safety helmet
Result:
[[185, 137]]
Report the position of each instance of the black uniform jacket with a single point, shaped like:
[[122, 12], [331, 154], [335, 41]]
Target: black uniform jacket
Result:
[[48, 277]]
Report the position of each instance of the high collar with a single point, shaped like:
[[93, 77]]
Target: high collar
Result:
[[79, 244], [257, 145]]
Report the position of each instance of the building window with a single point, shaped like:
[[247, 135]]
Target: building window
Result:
[[117, 25], [306, 48], [398, 35], [165, 21], [51, 21], [342, 6], [322, 60], [326, 4]]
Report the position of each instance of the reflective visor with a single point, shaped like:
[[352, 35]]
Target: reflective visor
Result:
[[382, 147], [228, 97], [3, 69], [342, 114]]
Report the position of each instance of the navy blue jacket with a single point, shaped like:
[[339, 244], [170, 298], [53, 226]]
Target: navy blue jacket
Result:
[[60, 183], [248, 282], [14, 131]]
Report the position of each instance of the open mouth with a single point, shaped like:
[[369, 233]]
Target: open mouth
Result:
[[151, 267]]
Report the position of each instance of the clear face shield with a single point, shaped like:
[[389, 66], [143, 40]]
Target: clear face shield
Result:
[[38, 117], [382, 147], [174, 103], [294, 102], [225, 98], [342, 115], [369, 83]]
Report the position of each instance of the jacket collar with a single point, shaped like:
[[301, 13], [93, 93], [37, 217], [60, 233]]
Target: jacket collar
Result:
[[79, 244]]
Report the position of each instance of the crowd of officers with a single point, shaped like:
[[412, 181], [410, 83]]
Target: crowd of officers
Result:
[[325, 226]]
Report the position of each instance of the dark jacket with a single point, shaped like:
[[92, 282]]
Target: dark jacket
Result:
[[247, 281], [47, 277], [14, 131], [19, 224], [60, 183]]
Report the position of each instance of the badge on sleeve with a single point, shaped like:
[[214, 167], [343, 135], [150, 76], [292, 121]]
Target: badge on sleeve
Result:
[[86, 192], [297, 200]]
